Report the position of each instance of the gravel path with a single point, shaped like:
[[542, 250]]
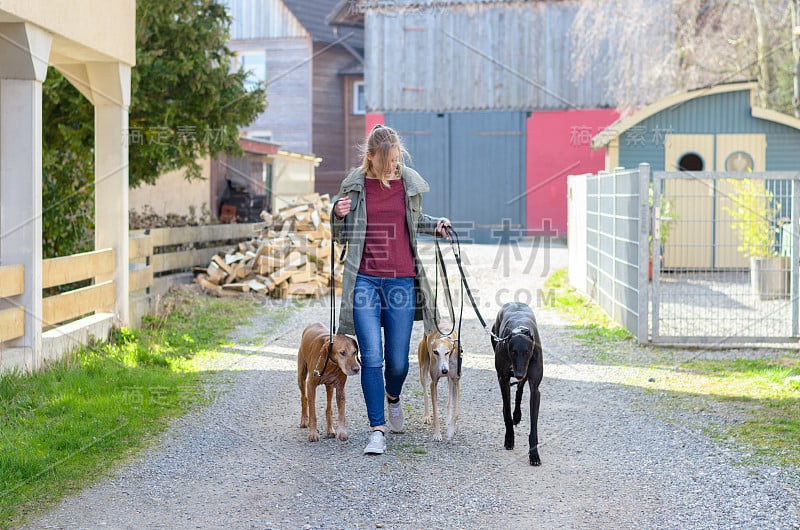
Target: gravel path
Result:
[[614, 455]]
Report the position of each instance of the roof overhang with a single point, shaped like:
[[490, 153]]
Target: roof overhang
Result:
[[259, 147], [346, 13], [614, 130]]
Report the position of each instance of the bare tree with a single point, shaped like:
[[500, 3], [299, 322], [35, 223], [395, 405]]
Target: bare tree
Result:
[[654, 48]]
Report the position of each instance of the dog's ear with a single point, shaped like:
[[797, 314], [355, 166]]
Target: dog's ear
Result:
[[353, 341]]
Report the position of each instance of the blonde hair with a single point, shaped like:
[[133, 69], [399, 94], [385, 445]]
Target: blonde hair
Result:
[[378, 146]]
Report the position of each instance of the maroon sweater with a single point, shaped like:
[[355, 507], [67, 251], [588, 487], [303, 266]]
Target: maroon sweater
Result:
[[387, 249]]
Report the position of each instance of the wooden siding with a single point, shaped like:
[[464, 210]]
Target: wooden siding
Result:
[[257, 19], [329, 116], [477, 57], [289, 74], [355, 126]]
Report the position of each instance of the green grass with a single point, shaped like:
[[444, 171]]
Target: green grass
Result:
[[755, 403], [592, 322], [760, 393], [63, 428]]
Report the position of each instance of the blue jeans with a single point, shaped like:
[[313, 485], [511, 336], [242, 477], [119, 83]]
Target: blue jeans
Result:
[[388, 303]]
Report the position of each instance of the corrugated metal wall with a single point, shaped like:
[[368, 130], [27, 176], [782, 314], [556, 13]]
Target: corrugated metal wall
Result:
[[475, 165], [261, 19], [507, 56]]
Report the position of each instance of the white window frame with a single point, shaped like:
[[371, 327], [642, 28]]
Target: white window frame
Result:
[[260, 134], [362, 108]]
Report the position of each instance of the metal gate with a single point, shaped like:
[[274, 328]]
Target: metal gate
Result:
[[725, 257], [475, 164]]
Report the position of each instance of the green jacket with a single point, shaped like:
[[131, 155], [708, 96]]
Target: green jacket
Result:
[[350, 231]]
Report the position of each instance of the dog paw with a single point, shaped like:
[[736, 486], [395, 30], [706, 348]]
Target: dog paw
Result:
[[509, 442], [342, 436], [426, 420], [517, 417], [313, 436], [533, 457], [450, 434], [437, 436], [330, 434]]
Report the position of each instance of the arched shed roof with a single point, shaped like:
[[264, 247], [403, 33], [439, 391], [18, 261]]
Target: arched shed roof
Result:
[[614, 130]]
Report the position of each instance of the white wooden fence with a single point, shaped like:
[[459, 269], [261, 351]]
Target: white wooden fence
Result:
[[159, 258]]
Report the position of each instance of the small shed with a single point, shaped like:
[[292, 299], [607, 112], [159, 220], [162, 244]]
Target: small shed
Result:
[[264, 176], [719, 128], [714, 129]]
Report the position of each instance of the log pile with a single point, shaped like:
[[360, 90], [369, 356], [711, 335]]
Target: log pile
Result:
[[289, 258]]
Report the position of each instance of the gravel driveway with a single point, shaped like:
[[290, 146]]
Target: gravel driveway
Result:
[[612, 456]]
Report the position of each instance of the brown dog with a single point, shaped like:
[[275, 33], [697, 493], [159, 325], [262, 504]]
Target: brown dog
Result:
[[438, 357], [313, 370]]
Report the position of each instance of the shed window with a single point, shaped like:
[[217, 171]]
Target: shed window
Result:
[[739, 161], [691, 162]]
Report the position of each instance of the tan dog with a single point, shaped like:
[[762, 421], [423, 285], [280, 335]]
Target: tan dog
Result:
[[313, 370], [438, 357]]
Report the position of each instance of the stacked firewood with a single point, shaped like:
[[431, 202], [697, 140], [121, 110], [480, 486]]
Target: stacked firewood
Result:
[[289, 258]]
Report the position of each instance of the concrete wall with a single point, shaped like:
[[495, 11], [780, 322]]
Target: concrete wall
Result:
[[173, 193]]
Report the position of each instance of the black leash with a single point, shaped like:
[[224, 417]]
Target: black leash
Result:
[[457, 254], [441, 270], [446, 282], [317, 373]]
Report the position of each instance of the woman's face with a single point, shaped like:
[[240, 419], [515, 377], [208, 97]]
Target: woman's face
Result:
[[387, 166]]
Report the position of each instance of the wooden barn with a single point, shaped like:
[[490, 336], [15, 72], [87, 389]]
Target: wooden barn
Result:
[[714, 129], [313, 72], [483, 95]]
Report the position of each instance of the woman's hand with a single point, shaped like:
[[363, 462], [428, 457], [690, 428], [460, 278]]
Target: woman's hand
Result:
[[342, 207], [442, 226]]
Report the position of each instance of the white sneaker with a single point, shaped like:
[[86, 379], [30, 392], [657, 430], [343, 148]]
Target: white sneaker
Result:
[[396, 423], [377, 444]]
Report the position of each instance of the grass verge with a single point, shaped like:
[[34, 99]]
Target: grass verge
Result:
[[755, 402], [63, 428]]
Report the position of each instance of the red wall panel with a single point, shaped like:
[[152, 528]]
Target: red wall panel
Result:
[[373, 119], [559, 145]]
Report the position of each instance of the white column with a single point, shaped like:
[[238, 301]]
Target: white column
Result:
[[110, 86], [24, 52]]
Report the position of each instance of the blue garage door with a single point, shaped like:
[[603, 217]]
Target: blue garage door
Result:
[[475, 164]]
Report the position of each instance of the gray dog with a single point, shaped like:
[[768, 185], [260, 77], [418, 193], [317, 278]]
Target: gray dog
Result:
[[518, 353]]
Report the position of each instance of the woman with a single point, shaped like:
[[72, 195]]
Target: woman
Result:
[[378, 216]]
